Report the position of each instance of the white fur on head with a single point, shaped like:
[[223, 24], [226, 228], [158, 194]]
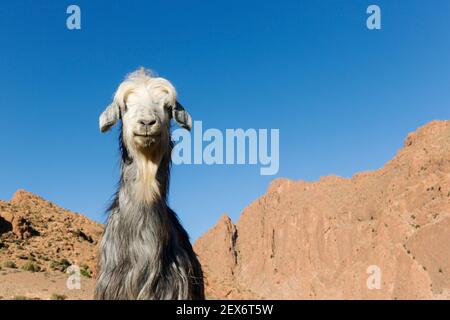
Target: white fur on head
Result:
[[146, 104], [159, 89]]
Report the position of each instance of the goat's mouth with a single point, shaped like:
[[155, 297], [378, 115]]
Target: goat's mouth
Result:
[[146, 140], [146, 135]]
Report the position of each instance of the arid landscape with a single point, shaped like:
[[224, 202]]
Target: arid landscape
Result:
[[300, 240], [38, 243]]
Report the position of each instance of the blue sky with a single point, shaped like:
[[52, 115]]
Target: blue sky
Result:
[[343, 97]]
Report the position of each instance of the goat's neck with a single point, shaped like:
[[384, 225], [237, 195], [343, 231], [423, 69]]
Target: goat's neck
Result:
[[143, 208], [144, 184]]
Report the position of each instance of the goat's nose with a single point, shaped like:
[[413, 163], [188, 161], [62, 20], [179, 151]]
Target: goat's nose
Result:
[[147, 122]]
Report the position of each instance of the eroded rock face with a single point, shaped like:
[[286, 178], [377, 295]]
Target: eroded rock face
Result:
[[18, 224], [36, 230], [317, 240], [5, 225]]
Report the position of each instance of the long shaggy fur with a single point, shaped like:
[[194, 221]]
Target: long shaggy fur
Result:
[[145, 253]]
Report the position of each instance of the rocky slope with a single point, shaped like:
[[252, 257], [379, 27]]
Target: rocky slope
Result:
[[319, 240], [38, 236]]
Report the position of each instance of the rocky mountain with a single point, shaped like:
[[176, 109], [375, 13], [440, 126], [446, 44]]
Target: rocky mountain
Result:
[[383, 234], [37, 235]]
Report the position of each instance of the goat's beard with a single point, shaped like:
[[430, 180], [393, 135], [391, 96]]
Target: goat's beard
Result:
[[146, 184], [146, 159]]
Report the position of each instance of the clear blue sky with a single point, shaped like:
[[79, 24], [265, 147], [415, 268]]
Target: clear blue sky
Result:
[[343, 97]]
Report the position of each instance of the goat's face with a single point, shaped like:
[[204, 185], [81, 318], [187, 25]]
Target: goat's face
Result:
[[146, 105], [146, 118]]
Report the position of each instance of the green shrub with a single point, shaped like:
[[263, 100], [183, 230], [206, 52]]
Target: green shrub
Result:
[[84, 271], [65, 263], [10, 264], [53, 265], [31, 266], [57, 296], [61, 265]]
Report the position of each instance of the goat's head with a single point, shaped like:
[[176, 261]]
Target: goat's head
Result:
[[146, 105]]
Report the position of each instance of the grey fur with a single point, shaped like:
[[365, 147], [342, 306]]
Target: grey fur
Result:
[[181, 116]]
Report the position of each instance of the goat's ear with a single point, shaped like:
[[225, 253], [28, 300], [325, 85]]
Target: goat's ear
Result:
[[181, 116], [109, 117]]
